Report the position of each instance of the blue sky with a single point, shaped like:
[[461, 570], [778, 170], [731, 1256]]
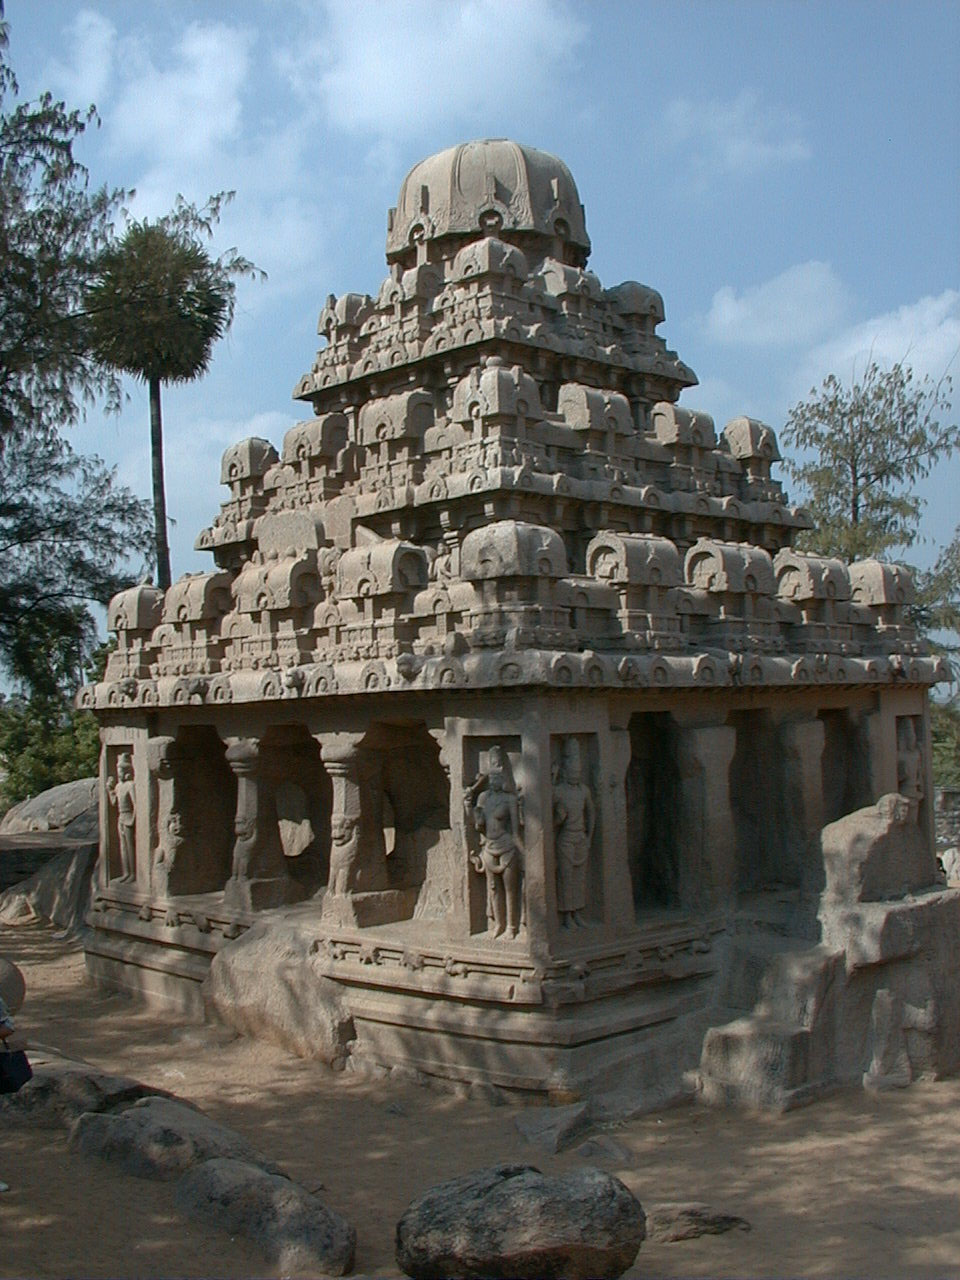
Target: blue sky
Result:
[[785, 174]]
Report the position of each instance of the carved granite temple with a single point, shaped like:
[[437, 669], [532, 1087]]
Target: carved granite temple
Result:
[[509, 712]]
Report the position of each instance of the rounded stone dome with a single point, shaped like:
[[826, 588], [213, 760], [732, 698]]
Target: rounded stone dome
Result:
[[489, 187]]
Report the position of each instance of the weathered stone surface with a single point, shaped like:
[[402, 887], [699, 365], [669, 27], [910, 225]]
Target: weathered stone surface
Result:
[[605, 1147], [553, 1128], [57, 809], [889, 1063], [511, 1220], [161, 1138], [266, 984], [296, 1230], [950, 861], [12, 985], [877, 853], [58, 892], [61, 1091], [683, 1220]]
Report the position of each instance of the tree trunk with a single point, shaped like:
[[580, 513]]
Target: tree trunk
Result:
[[159, 497]]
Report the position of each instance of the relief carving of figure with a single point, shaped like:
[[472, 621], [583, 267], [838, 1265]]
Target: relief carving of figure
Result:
[[573, 823], [495, 814], [344, 853], [909, 761], [246, 831], [166, 855], [122, 793]]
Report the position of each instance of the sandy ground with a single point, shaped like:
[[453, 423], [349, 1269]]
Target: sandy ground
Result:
[[854, 1186]]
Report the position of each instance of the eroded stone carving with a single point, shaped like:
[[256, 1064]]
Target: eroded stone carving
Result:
[[495, 813], [122, 793], [574, 816]]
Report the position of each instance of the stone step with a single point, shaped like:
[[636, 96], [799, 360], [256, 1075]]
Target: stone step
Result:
[[756, 1061]]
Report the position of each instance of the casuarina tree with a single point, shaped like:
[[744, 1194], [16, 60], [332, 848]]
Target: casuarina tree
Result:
[[859, 454], [155, 310], [67, 529]]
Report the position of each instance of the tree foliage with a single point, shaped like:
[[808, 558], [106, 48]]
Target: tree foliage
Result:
[[43, 742], [945, 737], [52, 230], [156, 308], [66, 526], [859, 453], [67, 531]]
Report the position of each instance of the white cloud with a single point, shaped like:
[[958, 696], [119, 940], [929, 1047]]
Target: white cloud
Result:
[[85, 78], [923, 334], [797, 307], [738, 136], [184, 112], [435, 63]]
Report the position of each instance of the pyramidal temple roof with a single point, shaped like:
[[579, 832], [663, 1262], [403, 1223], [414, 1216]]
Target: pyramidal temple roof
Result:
[[498, 485]]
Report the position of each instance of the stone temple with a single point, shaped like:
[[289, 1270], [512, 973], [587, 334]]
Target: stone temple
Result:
[[508, 740]]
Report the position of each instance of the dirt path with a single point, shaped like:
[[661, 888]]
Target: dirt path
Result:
[[855, 1186]]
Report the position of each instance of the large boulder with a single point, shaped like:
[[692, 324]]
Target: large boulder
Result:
[[59, 892], [294, 1229], [511, 1220], [267, 984], [61, 1091], [70, 807], [161, 1138], [877, 853]]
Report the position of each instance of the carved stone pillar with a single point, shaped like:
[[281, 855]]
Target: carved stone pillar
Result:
[[706, 840], [259, 877], [358, 890]]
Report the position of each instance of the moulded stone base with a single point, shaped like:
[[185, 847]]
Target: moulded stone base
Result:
[[260, 895], [361, 910], [166, 977]]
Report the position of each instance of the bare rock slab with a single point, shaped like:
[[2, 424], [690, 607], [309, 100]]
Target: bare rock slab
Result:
[[55, 810], [161, 1138], [294, 1229], [683, 1220], [553, 1128], [511, 1220]]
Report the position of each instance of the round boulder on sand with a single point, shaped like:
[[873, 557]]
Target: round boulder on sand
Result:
[[296, 1231], [511, 1220]]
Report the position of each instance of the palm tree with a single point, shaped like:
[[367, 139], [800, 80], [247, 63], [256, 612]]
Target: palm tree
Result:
[[158, 304]]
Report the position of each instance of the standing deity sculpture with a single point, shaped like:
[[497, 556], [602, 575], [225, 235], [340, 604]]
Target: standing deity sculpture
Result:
[[122, 793], [495, 813], [573, 823]]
